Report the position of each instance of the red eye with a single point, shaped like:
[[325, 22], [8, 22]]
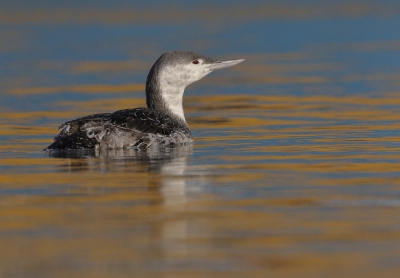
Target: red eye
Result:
[[195, 62]]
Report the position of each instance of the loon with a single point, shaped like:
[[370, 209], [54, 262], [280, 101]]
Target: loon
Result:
[[162, 123]]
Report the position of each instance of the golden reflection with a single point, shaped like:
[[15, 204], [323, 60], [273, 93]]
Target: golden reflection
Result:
[[315, 113], [81, 89], [13, 129], [272, 186], [272, 80], [103, 105], [112, 66], [323, 107]]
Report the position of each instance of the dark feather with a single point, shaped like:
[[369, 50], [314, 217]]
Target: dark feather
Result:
[[137, 123]]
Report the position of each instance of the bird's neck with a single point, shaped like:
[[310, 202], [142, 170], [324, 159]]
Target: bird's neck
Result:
[[165, 97]]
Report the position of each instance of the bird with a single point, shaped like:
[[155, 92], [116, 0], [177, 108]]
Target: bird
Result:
[[161, 124]]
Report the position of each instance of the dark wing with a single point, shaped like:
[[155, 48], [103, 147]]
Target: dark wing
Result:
[[144, 120], [87, 132], [74, 135]]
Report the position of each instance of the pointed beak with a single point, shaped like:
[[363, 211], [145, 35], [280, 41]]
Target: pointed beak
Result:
[[224, 64]]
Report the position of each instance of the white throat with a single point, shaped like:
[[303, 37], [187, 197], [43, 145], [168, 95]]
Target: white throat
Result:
[[172, 90], [173, 101], [173, 81]]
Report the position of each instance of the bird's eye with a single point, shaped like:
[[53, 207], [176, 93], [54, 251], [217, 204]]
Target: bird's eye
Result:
[[195, 62]]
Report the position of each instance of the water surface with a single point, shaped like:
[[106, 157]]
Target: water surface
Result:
[[295, 169]]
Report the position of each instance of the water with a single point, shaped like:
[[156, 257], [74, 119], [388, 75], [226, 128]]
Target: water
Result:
[[295, 170]]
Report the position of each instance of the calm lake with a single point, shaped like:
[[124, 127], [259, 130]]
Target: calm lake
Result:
[[295, 169]]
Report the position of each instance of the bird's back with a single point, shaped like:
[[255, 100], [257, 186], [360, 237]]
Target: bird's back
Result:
[[128, 128]]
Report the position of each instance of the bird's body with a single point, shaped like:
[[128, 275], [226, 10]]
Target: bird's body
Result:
[[129, 128], [162, 123]]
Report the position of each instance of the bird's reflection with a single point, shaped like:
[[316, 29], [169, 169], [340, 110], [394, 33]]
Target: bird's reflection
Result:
[[160, 160], [170, 186], [164, 169]]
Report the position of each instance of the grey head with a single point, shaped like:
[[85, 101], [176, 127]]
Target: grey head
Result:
[[170, 75]]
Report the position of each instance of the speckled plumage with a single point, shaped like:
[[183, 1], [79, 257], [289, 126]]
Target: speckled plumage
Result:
[[162, 123], [128, 128]]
